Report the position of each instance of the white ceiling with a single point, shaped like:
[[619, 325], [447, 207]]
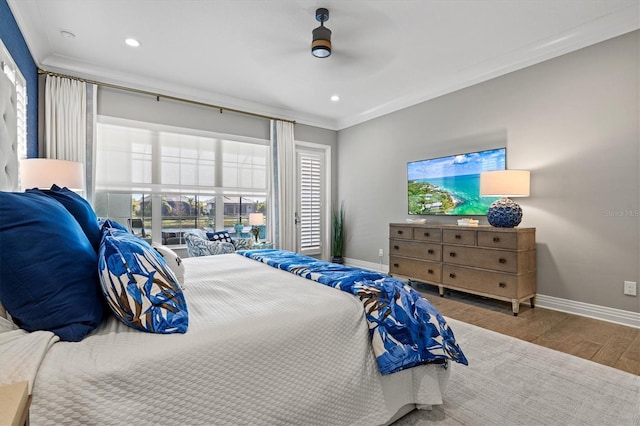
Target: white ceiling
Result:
[[255, 54]]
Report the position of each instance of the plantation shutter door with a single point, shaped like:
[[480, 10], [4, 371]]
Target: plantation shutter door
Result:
[[310, 177]]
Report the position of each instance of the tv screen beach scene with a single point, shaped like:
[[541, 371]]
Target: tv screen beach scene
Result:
[[451, 185]]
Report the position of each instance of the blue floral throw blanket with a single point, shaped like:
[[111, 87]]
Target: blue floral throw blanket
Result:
[[405, 329]]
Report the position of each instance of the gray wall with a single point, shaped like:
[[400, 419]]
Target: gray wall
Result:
[[325, 137], [134, 106], [572, 121]]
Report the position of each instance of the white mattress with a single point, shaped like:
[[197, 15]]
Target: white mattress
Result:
[[263, 347]]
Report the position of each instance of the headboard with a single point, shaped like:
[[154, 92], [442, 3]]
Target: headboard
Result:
[[8, 142], [8, 136]]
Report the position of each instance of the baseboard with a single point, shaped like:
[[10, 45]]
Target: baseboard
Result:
[[603, 313], [618, 316], [378, 267]]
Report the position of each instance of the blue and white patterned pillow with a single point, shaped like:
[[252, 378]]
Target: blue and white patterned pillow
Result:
[[243, 243], [197, 246], [222, 236], [108, 223], [139, 287]]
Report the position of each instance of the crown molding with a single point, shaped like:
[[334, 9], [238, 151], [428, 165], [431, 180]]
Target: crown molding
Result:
[[607, 27], [88, 71], [599, 30]]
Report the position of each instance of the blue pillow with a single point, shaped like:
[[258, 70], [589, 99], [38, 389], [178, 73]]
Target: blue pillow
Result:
[[48, 268], [222, 236], [139, 286], [79, 208]]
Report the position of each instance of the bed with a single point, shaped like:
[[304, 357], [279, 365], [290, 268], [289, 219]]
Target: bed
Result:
[[263, 346]]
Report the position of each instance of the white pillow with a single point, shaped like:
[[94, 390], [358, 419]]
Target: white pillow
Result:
[[173, 260]]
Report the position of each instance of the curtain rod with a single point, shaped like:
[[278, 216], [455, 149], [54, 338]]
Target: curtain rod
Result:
[[159, 95]]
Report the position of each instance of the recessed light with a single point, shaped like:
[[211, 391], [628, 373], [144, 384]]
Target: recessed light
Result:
[[335, 98], [132, 42], [67, 34]]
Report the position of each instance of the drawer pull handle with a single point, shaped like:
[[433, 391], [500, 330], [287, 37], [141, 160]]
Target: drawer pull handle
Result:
[[426, 234], [458, 237], [399, 232], [429, 271], [452, 254], [430, 251], [396, 248], [395, 265], [502, 285], [502, 260], [452, 275], [496, 239]]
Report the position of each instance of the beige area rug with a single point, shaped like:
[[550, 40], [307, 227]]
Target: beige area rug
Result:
[[513, 382]]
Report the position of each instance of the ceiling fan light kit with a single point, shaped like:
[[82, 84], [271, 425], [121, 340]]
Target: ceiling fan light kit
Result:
[[321, 44]]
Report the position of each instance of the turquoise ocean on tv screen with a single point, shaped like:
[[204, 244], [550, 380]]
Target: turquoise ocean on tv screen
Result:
[[466, 190]]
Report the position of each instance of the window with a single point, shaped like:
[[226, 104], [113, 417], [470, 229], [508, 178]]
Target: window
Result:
[[169, 180], [11, 70]]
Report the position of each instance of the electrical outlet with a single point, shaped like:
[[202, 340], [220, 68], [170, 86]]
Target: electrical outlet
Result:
[[381, 252], [630, 288]]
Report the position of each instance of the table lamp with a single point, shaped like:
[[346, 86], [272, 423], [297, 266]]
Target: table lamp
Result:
[[256, 220], [41, 173], [504, 213]]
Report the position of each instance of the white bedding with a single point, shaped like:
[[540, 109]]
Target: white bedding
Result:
[[263, 347]]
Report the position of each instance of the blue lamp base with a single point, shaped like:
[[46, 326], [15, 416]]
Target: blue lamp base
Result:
[[504, 213]]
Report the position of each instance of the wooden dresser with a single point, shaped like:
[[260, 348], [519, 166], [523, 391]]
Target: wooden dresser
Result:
[[499, 263]]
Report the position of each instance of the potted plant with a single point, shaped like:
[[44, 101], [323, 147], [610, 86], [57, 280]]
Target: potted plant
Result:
[[337, 236]]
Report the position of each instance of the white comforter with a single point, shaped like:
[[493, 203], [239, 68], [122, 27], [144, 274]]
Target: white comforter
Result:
[[263, 347]]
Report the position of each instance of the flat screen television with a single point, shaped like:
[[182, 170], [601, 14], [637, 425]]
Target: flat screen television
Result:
[[451, 185]]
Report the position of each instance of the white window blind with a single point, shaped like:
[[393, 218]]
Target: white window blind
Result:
[[244, 165], [145, 157], [310, 198], [186, 160], [123, 158], [21, 97], [11, 70]]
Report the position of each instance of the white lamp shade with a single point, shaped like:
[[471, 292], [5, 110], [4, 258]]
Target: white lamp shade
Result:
[[505, 183], [43, 172], [256, 219]]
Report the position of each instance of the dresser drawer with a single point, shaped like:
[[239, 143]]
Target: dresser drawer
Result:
[[506, 240], [417, 269], [432, 235], [427, 251], [459, 236], [403, 232], [491, 283], [499, 260]]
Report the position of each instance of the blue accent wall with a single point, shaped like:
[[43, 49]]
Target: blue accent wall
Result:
[[13, 40]]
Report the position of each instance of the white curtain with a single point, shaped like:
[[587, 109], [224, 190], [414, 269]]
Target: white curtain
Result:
[[65, 119], [283, 205], [69, 117]]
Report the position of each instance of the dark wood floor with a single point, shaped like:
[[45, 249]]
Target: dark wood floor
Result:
[[610, 344]]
